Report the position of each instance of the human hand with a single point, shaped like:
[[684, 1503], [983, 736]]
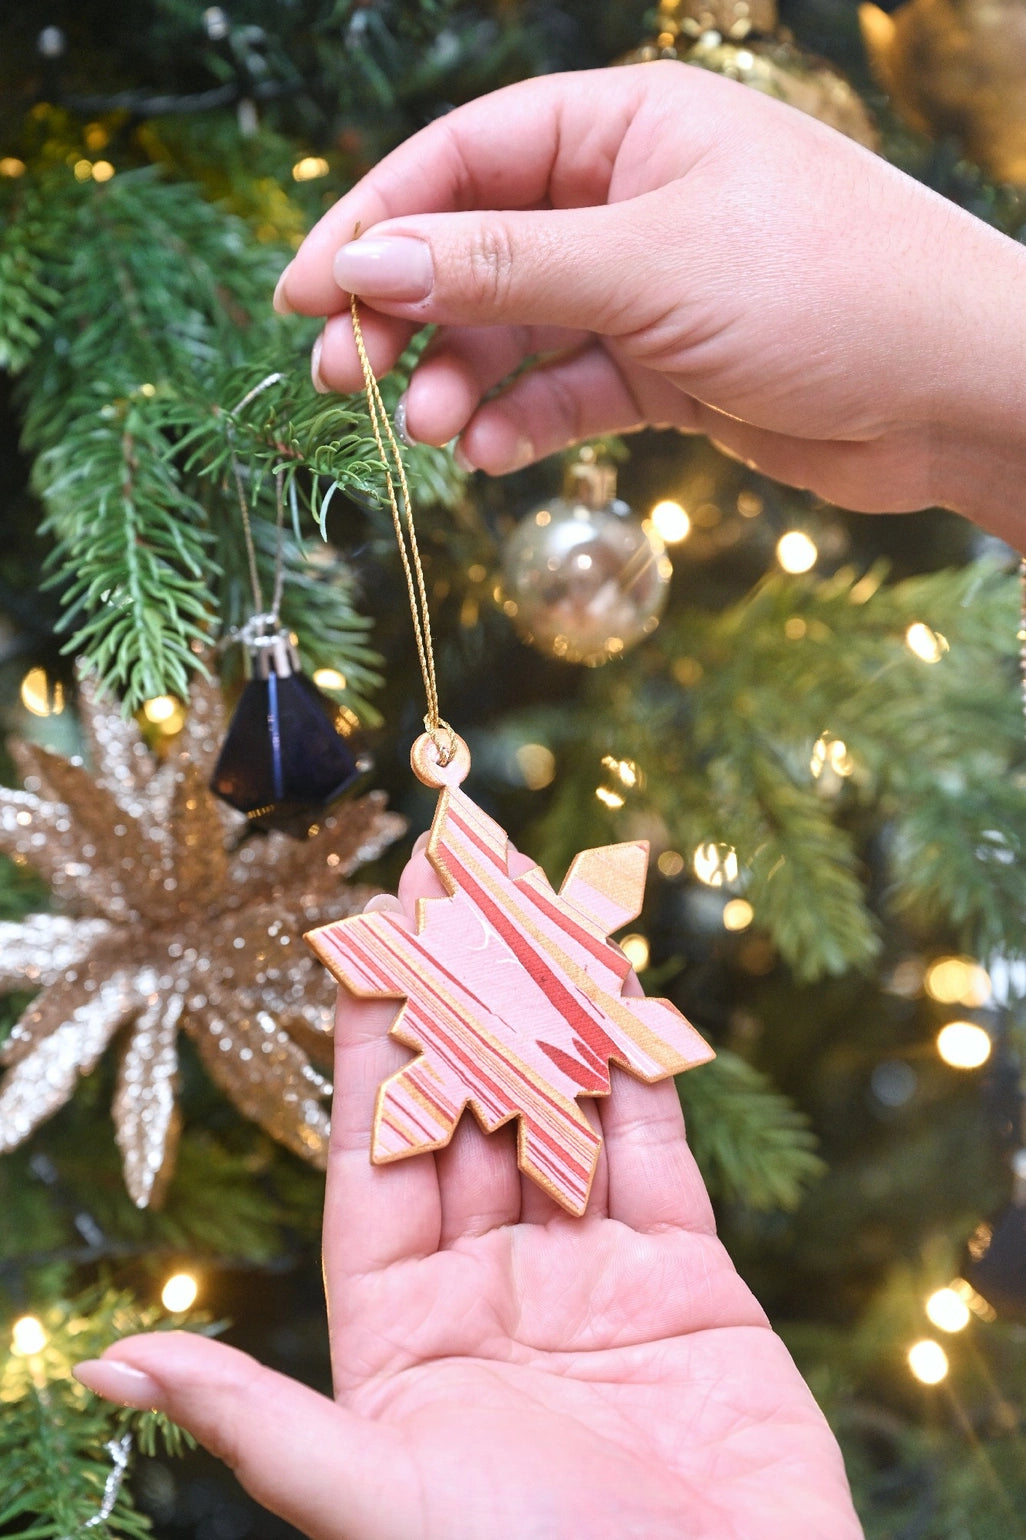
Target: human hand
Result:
[[503, 1369], [678, 250]]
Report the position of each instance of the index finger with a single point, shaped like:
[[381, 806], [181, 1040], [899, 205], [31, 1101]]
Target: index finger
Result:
[[549, 142]]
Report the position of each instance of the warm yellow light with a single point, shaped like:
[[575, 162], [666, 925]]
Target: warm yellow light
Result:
[[928, 1361], [925, 643], [37, 696], [625, 770], [83, 170], [957, 981], [329, 679], [963, 1045], [796, 552], [738, 914], [11, 166], [636, 949], [310, 168], [832, 753], [179, 1293], [96, 136], [537, 765], [671, 521], [715, 864], [28, 1336], [948, 1310], [611, 799], [102, 171], [160, 709], [671, 863]]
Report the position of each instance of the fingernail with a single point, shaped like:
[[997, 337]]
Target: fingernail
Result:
[[383, 902], [117, 1381], [399, 419], [315, 366], [522, 455], [279, 302], [391, 267], [460, 457]]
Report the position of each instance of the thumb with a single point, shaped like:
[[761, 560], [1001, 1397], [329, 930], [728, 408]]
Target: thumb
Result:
[[312, 1462], [561, 267]]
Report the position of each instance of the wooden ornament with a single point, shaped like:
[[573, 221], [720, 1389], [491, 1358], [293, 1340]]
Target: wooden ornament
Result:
[[512, 994]]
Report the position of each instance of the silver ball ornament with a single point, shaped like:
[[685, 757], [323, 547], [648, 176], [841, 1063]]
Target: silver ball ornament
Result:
[[583, 578]]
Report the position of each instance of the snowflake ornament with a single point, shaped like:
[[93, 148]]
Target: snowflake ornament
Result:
[[511, 994], [169, 925]]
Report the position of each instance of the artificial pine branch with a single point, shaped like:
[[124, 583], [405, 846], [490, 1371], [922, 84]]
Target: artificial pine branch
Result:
[[753, 1146], [145, 400], [934, 750], [54, 1434]]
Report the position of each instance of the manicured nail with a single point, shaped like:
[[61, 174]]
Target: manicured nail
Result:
[[315, 366], [390, 267], [461, 459], [117, 1381], [522, 455], [399, 421], [279, 301], [382, 902]]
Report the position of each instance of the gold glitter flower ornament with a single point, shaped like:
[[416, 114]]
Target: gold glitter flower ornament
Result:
[[169, 924]]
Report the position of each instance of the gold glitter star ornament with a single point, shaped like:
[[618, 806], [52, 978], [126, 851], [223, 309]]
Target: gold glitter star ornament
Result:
[[169, 924]]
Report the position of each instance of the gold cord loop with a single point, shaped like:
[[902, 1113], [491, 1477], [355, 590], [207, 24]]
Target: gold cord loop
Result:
[[441, 734]]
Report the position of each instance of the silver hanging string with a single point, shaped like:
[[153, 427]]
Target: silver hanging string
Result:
[[120, 1451]]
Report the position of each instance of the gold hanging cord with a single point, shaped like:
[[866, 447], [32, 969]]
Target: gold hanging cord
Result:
[[439, 731]]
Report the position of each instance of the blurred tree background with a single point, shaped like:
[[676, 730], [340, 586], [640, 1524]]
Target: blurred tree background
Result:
[[813, 716]]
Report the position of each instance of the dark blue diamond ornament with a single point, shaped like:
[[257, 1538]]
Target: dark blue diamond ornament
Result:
[[283, 756]]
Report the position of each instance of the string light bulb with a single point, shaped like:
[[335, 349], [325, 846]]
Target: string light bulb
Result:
[[948, 1310], [309, 168], [715, 865], [179, 1293], [165, 713], [927, 644], [37, 695], [928, 1361], [537, 765], [636, 950], [796, 551], [738, 914], [28, 1336], [329, 679], [964, 1044], [671, 521], [957, 981]]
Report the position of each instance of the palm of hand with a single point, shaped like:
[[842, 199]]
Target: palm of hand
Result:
[[538, 1375], [579, 1378], [502, 1369]]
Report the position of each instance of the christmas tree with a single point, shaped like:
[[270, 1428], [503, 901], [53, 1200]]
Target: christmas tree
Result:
[[813, 718]]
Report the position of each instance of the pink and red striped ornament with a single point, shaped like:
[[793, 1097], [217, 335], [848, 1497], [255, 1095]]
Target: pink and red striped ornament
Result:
[[511, 994]]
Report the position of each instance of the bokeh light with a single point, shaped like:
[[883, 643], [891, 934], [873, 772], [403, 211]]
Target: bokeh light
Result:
[[928, 1361]]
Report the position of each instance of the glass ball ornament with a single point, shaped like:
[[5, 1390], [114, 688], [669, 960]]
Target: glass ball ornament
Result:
[[583, 578]]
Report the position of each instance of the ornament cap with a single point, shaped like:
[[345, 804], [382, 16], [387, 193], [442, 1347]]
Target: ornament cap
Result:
[[590, 481], [270, 649]]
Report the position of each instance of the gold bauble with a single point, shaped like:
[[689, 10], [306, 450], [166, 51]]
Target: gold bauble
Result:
[[739, 39], [778, 68], [957, 68]]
